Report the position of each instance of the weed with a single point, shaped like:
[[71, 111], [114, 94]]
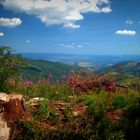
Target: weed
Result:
[[119, 102]]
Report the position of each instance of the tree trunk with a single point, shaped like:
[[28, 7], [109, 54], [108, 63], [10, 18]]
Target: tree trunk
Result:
[[11, 110]]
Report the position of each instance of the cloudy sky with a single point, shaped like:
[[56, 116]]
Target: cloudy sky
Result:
[[71, 26]]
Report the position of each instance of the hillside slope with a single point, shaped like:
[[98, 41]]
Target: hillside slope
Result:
[[42, 69], [126, 72]]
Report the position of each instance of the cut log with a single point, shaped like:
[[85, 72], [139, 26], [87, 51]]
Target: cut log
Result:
[[12, 109]]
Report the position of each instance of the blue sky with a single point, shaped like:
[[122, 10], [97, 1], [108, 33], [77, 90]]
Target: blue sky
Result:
[[108, 27]]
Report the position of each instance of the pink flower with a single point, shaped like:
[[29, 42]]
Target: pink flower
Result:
[[109, 88], [28, 83], [71, 82], [50, 77], [57, 82]]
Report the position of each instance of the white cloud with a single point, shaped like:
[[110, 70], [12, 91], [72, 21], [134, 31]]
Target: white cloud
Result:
[[69, 46], [10, 22], [129, 21], [72, 45], [71, 25], [28, 41], [1, 34], [79, 46], [65, 12], [126, 32]]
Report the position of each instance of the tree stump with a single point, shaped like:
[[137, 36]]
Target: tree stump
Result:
[[12, 109]]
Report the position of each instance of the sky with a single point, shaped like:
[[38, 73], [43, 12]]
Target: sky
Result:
[[95, 27]]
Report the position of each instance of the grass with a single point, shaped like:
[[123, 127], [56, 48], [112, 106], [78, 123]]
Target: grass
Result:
[[67, 111]]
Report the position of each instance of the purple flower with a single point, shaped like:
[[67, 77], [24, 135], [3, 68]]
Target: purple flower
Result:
[[50, 77], [71, 82], [28, 83], [57, 81], [109, 88]]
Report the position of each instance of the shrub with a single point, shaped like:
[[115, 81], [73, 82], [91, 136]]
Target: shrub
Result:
[[119, 102], [9, 64], [44, 113], [97, 102], [131, 121], [28, 131]]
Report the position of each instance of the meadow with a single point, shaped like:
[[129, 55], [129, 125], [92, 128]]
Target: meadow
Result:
[[80, 105]]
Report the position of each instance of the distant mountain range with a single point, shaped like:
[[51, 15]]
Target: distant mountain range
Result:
[[129, 67], [90, 62], [125, 72], [125, 69]]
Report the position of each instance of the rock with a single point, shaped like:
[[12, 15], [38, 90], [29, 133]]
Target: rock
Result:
[[36, 101]]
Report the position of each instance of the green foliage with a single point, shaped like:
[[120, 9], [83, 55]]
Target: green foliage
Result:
[[119, 102], [91, 101], [38, 69], [9, 64], [45, 113], [53, 119], [129, 67], [126, 73], [131, 121], [97, 102], [29, 131]]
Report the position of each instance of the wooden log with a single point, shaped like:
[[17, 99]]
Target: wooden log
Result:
[[12, 109]]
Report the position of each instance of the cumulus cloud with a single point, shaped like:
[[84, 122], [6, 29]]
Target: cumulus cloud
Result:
[[72, 25], [1, 34], [28, 41], [80, 46], [69, 46], [64, 12], [10, 22], [126, 32], [129, 21], [72, 45]]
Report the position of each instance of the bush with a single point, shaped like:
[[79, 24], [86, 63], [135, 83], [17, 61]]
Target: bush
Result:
[[119, 102], [28, 131], [131, 121], [9, 64], [97, 102]]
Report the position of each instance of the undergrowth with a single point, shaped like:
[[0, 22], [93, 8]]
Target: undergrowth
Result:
[[83, 108]]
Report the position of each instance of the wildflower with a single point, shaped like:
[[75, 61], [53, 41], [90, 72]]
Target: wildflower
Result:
[[50, 77], [57, 81], [28, 83], [109, 88], [71, 82]]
